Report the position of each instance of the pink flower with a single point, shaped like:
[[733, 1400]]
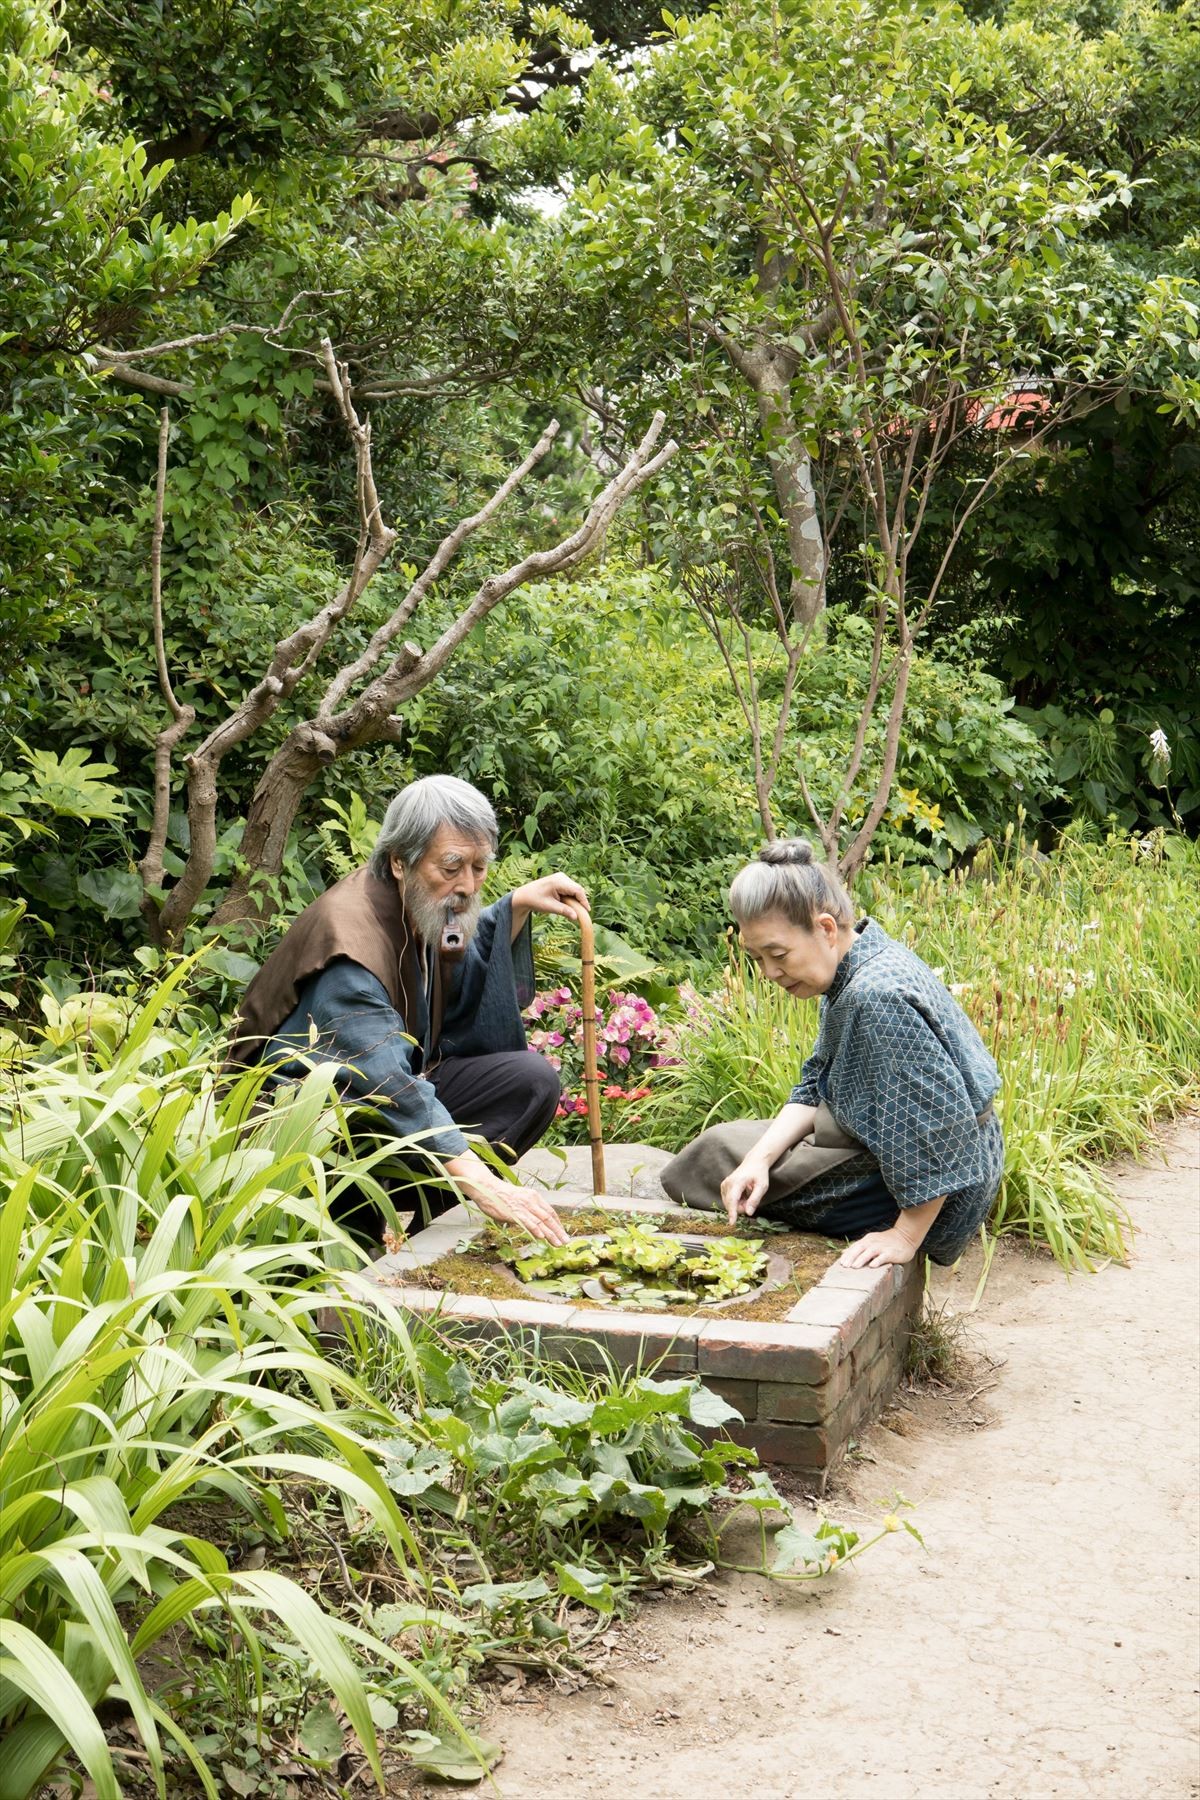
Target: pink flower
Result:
[[561, 996], [556, 1038], [620, 1054], [614, 1093]]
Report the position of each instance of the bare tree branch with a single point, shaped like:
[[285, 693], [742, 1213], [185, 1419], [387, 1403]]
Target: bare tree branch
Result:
[[341, 723], [293, 657], [445, 553], [140, 378]]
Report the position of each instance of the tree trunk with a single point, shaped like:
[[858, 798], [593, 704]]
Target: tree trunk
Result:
[[791, 473], [392, 672]]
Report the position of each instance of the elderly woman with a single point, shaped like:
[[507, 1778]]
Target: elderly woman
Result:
[[889, 1136]]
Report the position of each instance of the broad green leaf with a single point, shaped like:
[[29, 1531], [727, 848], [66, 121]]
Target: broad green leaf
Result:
[[449, 1758], [37, 1672], [492, 1595], [320, 1735], [793, 1545], [587, 1585], [707, 1408]]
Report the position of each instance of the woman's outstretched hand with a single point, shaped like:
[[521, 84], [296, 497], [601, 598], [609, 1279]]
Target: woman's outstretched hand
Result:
[[742, 1190]]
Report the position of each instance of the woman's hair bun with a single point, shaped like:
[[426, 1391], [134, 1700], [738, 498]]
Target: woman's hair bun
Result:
[[786, 850]]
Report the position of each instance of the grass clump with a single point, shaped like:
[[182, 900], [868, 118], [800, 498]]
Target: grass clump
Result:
[[937, 1354], [1081, 971]]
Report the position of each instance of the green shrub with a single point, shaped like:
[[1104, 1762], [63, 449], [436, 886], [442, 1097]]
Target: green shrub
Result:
[[162, 1256], [610, 742], [613, 745], [1136, 762], [165, 1249]]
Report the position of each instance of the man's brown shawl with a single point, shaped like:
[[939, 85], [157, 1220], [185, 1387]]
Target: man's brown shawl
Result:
[[362, 918], [474, 1004]]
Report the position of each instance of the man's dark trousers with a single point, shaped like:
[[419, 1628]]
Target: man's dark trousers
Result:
[[509, 1099]]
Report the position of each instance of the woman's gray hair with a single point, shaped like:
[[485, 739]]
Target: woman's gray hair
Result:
[[784, 878], [414, 817]]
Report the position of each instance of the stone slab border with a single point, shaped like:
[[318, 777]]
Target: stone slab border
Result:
[[804, 1384]]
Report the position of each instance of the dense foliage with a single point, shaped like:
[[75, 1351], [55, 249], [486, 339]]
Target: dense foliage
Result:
[[916, 285], [390, 167], [174, 1419]]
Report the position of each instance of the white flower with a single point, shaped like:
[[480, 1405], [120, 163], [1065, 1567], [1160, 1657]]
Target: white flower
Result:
[[1160, 749]]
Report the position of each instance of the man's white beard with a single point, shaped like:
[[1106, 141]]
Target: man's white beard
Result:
[[431, 916]]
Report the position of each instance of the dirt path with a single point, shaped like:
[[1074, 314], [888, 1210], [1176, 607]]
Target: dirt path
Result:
[[1047, 1644]]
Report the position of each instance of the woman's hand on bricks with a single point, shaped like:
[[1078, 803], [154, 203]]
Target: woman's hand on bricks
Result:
[[742, 1190], [878, 1249], [897, 1245]]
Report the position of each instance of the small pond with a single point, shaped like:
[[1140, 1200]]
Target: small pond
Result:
[[644, 1264]]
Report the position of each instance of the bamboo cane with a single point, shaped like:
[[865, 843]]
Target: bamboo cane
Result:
[[591, 1068]]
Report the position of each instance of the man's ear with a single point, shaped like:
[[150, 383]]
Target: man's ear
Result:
[[397, 868]]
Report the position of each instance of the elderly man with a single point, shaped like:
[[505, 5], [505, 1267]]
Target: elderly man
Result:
[[401, 976]]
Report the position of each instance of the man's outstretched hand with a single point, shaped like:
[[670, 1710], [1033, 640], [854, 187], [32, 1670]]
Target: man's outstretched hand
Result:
[[500, 1200], [527, 1209]]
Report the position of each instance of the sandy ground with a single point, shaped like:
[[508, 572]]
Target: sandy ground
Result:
[[1048, 1640]]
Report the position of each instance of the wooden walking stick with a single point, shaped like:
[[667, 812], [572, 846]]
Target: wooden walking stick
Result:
[[591, 1068]]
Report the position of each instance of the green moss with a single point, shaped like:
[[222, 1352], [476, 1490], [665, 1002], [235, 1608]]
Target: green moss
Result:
[[478, 1270]]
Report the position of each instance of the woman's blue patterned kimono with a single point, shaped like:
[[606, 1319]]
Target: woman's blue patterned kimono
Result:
[[903, 1070]]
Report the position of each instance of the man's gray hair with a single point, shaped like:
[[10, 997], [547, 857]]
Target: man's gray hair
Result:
[[413, 820]]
